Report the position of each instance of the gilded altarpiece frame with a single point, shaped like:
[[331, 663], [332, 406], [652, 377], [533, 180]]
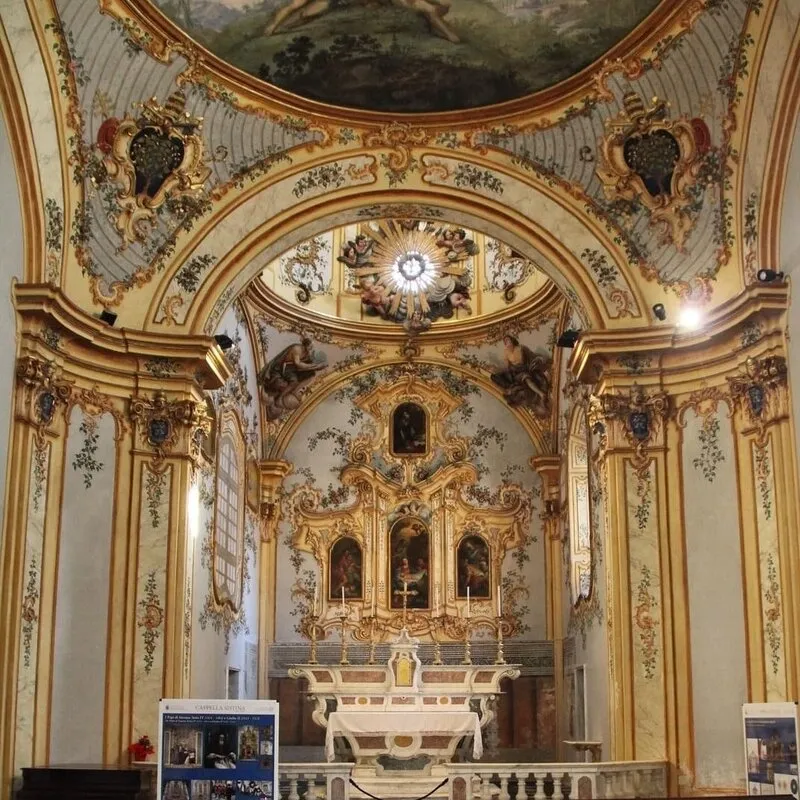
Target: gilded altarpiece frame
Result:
[[427, 489]]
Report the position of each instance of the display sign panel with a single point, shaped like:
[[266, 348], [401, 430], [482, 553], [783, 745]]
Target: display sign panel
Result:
[[770, 741], [218, 750]]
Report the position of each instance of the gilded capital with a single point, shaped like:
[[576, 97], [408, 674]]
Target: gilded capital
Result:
[[170, 427], [270, 491], [44, 390], [630, 421], [759, 391]]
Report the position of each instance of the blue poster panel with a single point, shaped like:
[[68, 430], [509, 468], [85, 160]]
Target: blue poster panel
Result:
[[770, 741], [218, 750]]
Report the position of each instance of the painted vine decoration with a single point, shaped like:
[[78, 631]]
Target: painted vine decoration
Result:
[[645, 619], [85, 460], [151, 617], [711, 454], [30, 604], [772, 611]]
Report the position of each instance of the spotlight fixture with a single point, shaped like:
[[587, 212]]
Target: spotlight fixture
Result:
[[224, 341], [690, 318], [769, 275], [568, 338], [659, 311], [109, 317]]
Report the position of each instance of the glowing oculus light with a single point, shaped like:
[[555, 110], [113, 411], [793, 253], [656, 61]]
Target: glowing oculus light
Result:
[[412, 272]]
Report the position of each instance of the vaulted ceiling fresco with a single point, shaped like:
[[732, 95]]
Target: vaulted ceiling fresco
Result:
[[409, 55], [404, 273]]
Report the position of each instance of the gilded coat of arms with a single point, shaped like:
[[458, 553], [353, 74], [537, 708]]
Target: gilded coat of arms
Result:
[[648, 158], [155, 158]]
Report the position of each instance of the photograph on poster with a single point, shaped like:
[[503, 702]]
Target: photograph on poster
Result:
[[209, 753], [770, 732]]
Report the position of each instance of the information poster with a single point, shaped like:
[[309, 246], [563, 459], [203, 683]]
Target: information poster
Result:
[[218, 749], [770, 740]]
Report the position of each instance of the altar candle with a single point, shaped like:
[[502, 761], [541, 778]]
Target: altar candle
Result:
[[499, 602], [467, 602], [405, 586], [343, 609], [316, 599]]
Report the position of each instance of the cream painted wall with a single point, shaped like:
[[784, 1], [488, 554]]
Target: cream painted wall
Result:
[[790, 264], [11, 255], [716, 601], [81, 617]]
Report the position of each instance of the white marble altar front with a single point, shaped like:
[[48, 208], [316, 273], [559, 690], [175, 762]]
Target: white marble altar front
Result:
[[403, 716]]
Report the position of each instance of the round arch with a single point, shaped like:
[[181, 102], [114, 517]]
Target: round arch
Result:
[[534, 219], [536, 430]]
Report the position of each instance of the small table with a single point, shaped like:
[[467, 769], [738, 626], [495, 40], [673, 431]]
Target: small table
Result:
[[594, 749]]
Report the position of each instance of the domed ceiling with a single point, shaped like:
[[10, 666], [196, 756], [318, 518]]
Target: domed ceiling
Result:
[[405, 274], [409, 55]]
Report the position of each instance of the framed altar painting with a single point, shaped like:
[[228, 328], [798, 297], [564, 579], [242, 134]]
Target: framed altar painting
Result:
[[409, 430], [409, 548], [473, 568], [345, 566]]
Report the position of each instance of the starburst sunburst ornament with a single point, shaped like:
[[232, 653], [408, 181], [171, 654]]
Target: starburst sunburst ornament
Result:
[[411, 270]]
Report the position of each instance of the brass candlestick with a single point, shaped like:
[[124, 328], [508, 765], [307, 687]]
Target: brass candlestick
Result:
[[371, 641], [467, 647], [437, 651], [500, 659], [344, 659], [312, 656]]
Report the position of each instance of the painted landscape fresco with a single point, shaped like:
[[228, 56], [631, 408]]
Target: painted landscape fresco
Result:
[[409, 55]]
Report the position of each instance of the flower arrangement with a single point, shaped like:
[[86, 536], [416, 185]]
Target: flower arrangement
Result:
[[141, 749]]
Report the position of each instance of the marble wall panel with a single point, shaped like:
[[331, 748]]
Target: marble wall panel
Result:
[[715, 597], [646, 609], [82, 596], [770, 570], [151, 587], [30, 611]]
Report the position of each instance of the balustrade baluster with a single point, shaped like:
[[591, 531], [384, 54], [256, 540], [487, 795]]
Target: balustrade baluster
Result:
[[293, 795], [556, 787], [504, 795], [539, 793]]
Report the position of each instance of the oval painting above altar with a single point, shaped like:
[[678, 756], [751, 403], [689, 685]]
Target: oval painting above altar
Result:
[[345, 569], [409, 547]]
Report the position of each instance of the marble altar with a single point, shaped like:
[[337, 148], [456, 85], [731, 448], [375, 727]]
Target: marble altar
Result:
[[403, 709]]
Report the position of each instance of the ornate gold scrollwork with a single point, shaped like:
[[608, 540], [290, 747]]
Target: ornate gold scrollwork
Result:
[[161, 423], [760, 391], [155, 159], [45, 390], [637, 419], [424, 482], [648, 158]]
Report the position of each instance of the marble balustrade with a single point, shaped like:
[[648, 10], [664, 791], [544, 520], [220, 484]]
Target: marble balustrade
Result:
[[602, 780]]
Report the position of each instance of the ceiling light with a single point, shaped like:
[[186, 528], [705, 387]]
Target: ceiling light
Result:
[[109, 317], [690, 318], [224, 341], [659, 312]]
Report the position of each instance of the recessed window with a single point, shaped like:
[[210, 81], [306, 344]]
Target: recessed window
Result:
[[229, 522], [580, 526]]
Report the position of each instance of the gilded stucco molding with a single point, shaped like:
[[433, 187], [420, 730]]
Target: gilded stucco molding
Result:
[[635, 420], [170, 427], [271, 474], [44, 390], [760, 393]]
